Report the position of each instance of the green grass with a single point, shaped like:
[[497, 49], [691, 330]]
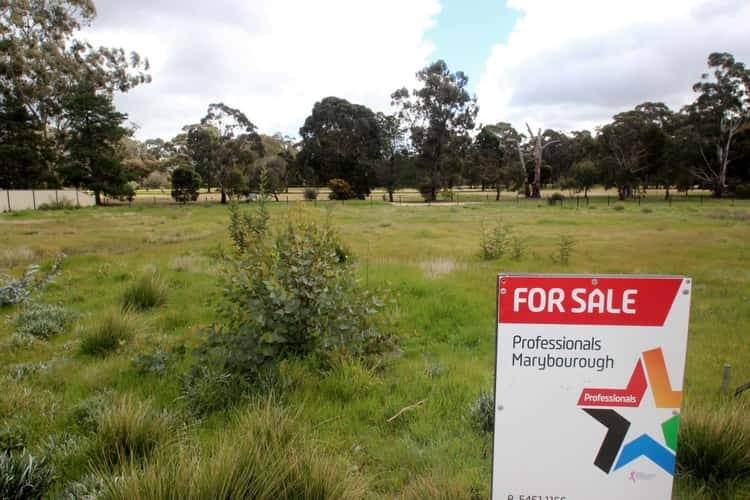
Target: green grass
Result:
[[427, 258], [108, 333], [146, 292]]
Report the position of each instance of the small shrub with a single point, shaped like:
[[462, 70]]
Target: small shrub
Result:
[[340, 190], [157, 363], [564, 250], [12, 291], [290, 295], [85, 414], [647, 210], [713, 452], [148, 291], [22, 476], [42, 320], [19, 342], [63, 204], [555, 198], [206, 390], [517, 247], [493, 242], [128, 431], [618, 207], [105, 336], [310, 193], [482, 412], [89, 487]]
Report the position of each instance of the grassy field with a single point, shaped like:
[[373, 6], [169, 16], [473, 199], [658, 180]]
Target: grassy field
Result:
[[443, 314]]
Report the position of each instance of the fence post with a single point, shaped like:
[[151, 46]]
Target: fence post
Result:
[[726, 377], [33, 199], [57, 202], [78, 203], [7, 194]]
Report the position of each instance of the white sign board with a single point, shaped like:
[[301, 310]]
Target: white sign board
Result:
[[588, 386]]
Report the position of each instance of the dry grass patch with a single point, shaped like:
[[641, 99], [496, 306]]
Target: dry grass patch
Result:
[[439, 266]]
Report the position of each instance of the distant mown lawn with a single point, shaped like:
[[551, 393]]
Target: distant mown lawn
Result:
[[443, 313]]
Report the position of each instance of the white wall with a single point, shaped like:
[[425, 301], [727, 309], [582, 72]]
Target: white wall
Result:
[[31, 199]]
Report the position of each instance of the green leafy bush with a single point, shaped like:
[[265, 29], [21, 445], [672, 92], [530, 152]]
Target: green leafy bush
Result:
[[108, 333], [42, 320], [23, 477], [310, 193], [290, 294], [340, 190], [147, 291]]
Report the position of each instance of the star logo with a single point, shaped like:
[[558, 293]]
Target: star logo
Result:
[[604, 400]]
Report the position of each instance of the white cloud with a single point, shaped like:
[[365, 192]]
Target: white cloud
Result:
[[273, 59], [573, 64]]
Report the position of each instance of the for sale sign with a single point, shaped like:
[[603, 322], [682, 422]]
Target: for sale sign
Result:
[[588, 386]]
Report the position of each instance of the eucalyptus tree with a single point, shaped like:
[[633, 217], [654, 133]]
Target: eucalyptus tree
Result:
[[719, 116], [440, 115], [238, 145]]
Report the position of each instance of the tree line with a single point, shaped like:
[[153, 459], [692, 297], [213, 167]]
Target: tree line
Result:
[[59, 127]]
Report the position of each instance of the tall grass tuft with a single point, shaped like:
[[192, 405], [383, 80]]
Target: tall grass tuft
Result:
[[128, 431], [108, 333], [264, 456], [713, 454], [146, 292]]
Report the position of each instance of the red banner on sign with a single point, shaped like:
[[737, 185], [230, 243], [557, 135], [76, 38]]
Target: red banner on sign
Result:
[[575, 300]]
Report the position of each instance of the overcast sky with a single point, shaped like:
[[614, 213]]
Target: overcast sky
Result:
[[557, 64]]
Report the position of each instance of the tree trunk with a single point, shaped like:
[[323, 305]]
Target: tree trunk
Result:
[[98, 198], [223, 196], [390, 195], [497, 197]]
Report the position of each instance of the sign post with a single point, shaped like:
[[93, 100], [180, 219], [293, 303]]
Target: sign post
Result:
[[588, 384]]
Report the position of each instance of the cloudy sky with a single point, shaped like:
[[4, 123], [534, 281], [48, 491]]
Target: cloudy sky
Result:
[[555, 64]]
